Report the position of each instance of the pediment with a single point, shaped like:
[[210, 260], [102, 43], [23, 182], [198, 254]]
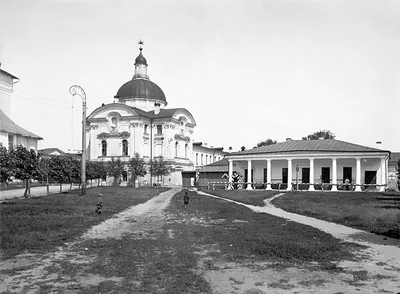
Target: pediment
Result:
[[117, 109]]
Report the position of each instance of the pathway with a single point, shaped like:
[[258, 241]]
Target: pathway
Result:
[[380, 258]]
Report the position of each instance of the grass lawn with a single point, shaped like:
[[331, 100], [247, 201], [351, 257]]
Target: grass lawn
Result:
[[199, 236], [42, 223], [253, 197], [371, 211]]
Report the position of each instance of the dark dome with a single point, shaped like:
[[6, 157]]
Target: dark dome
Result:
[[141, 88], [140, 59]]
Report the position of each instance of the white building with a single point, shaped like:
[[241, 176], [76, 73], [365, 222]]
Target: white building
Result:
[[330, 162], [11, 134], [139, 122], [204, 154]]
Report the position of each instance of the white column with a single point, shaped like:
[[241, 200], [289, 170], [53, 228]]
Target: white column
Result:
[[289, 177], [383, 175], [334, 175], [230, 173], [358, 175], [249, 179], [311, 175], [269, 172]]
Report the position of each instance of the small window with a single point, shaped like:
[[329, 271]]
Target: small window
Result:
[[186, 151], [176, 149], [10, 141], [202, 159], [146, 128], [197, 158], [159, 129], [125, 148], [103, 148]]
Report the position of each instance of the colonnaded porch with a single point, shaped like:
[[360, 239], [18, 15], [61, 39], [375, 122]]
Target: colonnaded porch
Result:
[[340, 171]]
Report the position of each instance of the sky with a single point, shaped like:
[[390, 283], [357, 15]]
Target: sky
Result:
[[247, 70]]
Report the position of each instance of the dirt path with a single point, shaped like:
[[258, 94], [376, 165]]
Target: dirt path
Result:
[[377, 271], [31, 273]]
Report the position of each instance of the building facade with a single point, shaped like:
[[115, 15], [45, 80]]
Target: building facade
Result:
[[312, 162], [11, 134], [204, 154], [138, 122]]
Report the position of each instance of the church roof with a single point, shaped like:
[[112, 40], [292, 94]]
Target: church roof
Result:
[[140, 59], [301, 146], [7, 125], [141, 88]]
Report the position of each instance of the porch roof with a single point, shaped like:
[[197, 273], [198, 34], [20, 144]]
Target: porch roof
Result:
[[314, 146]]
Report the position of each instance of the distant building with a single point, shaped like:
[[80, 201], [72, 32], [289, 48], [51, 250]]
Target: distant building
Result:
[[328, 162], [204, 154], [138, 122], [11, 134]]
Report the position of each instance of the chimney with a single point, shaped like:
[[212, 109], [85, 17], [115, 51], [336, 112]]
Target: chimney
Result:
[[156, 108]]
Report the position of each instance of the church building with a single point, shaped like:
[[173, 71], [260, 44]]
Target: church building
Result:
[[138, 121]]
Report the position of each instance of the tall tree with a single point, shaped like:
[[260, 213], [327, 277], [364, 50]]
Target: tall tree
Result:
[[266, 142], [6, 165], [137, 168], [325, 134], [114, 169], [26, 166], [159, 168]]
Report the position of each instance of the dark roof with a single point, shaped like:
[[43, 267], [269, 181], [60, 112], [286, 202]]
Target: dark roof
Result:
[[141, 88], [140, 59], [164, 112], [221, 166], [7, 125], [310, 146]]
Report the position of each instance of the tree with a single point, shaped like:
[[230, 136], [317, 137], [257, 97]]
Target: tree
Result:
[[44, 169], [159, 168], [114, 169], [6, 166], [26, 166], [266, 142], [137, 168], [325, 134], [59, 170], [100, 171]]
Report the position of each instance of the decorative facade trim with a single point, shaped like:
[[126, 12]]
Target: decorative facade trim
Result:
[[122, 135]]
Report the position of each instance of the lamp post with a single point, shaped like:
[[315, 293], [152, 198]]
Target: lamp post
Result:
[[297, 177], [77, 90]]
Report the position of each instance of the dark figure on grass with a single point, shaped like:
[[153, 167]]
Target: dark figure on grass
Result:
[[186, 199], [99, 203]]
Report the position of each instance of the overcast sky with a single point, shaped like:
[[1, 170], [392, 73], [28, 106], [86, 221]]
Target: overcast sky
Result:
[[246, 70]]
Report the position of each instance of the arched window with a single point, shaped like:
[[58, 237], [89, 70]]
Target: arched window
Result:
[[104, 148], [125, 148], [176, 149], [186, 150]]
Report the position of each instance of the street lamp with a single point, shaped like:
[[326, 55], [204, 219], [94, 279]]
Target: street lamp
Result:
[[77, 90], [297, 177]]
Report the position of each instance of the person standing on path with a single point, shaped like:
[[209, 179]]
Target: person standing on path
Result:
[[186, 199], [99, 203]]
